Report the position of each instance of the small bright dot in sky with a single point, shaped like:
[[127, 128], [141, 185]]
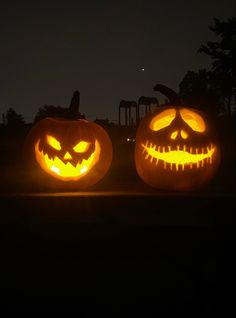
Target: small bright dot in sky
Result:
[[142, 69]]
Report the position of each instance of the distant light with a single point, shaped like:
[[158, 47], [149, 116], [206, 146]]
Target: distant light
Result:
[[130, 139], [142, 69]]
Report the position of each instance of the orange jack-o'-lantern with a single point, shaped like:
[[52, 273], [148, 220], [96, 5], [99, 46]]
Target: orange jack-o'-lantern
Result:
[[76, 152], [176, 148]]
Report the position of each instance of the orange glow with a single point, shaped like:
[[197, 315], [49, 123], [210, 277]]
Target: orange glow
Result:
[[53, 142], [67, 156], [163, 119], [66, 171], [82, 146], [184, 135], [194, 120], [179, 157], [174, 135]]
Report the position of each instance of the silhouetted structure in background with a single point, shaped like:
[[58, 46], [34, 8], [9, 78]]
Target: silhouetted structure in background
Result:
[[127, 106], [147, 102]]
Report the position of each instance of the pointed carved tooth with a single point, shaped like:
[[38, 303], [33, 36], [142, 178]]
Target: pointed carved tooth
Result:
[[210, 159], [147, 155], [154, 147], [196, 150], [151, 145], [157, 161], [143, 150], [184, 149], [177, 149], [158, 148], [183, 166], [177, 167], [203, 150], [151, 159], [146, 143], [164, 164], [163, 149], [191, 150], [171, 166], [198, 164], [191, 165], [169, 148], [202, 163]]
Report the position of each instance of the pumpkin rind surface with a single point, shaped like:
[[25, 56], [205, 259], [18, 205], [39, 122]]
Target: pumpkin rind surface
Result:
[[69, 152], [176, 149]]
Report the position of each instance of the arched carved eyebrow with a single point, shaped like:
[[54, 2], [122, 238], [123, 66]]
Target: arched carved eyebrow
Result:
[[162, 119], [193, 120]]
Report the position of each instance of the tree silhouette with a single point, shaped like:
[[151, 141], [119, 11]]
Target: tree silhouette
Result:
[[223, 56], [198, 89], [49, 111], [58, 111], [13, 119]]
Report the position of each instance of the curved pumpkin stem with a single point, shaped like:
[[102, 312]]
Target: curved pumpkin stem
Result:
[[74, 105], [169, 93]]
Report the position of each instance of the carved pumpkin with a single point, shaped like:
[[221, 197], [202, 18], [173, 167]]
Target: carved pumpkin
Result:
[[76, 152], [176, 148]]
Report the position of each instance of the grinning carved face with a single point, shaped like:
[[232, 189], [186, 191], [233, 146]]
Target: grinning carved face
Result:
[[76, 151], [68, 162], [175, 149]]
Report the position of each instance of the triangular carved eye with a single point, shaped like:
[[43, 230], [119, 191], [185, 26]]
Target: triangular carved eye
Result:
[[193, 120], [163, 119], [53, 142]]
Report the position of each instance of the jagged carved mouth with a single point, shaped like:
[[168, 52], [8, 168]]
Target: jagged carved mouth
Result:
[[66, 171], [178, 157]]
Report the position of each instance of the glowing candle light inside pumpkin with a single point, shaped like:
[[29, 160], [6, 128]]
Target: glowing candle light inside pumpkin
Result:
[[67, 171], [77, 152], [176, 149]]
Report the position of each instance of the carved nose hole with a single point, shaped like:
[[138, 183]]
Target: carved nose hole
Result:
[[174, 135], [184, 135], [67, 156]]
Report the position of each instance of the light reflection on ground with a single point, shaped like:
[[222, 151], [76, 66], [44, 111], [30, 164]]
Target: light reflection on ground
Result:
[[121, 194]]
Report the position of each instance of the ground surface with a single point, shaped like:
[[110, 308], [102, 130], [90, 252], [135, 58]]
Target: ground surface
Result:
[[144, 253]]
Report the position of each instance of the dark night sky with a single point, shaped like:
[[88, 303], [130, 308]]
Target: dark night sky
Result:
[[99, 47]]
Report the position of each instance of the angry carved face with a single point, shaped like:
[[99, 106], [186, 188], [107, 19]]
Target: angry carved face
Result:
[[67, 161], [175, 149], [77, 151]]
